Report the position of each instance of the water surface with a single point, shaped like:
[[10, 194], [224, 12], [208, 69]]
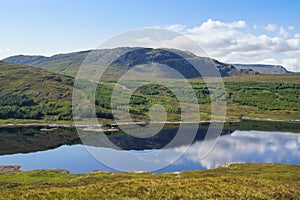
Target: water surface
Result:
[[64, 151]]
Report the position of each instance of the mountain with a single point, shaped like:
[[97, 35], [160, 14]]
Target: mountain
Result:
[[69, 63], [263, 69], [61, 63]]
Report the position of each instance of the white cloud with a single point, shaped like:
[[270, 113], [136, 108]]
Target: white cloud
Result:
[[233, 42], [283, 32], [211, 26], [271, 27], [176, 27], [297, 36], [292, 63], [5, 50]]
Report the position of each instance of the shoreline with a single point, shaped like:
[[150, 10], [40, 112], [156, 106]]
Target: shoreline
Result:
[[54, 125], [269, 120], [11, 169]]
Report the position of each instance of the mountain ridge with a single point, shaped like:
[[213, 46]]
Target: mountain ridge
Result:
[[68, 63]]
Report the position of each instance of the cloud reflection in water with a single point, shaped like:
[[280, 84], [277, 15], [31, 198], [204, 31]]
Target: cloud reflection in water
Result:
[[248, 146]]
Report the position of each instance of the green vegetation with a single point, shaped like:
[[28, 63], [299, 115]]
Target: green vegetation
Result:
[[244, 99], [28, 93], [238, 181], [37, 95], [283, 78], [266, 96]]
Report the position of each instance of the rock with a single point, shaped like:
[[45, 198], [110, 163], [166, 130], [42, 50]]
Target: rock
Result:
[[228, 164], [10, 169]]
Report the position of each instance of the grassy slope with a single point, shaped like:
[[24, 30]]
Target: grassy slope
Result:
[[284, 78], [247, 181], [39, 84], [47, 88], [261, 96], [235, 110], [42, 86]]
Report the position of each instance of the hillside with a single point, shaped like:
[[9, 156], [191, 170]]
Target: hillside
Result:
[[25, 60], [62, 63], [247, 97], [31, 93], [69, 63]]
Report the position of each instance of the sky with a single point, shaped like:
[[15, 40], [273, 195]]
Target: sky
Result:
[[234, 31]]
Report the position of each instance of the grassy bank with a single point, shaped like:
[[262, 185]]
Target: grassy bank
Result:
[[250, 181]]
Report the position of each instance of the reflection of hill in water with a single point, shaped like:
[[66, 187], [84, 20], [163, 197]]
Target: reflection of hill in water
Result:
[[160, 140], [31, 139], [163, 138], [26, 140]]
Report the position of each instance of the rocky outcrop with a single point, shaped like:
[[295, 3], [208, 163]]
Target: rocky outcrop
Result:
[[9, 169]]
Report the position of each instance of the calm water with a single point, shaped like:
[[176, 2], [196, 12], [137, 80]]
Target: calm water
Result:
[[232, 146]]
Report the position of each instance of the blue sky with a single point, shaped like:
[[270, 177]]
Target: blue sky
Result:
[[50, 27]]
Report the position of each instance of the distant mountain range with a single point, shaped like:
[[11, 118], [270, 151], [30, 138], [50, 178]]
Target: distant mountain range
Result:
[[264, 69], [68, 64]]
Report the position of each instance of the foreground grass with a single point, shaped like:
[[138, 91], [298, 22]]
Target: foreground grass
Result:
[[247, 181]]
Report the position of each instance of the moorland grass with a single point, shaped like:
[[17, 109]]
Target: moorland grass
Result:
[[238, 181]]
